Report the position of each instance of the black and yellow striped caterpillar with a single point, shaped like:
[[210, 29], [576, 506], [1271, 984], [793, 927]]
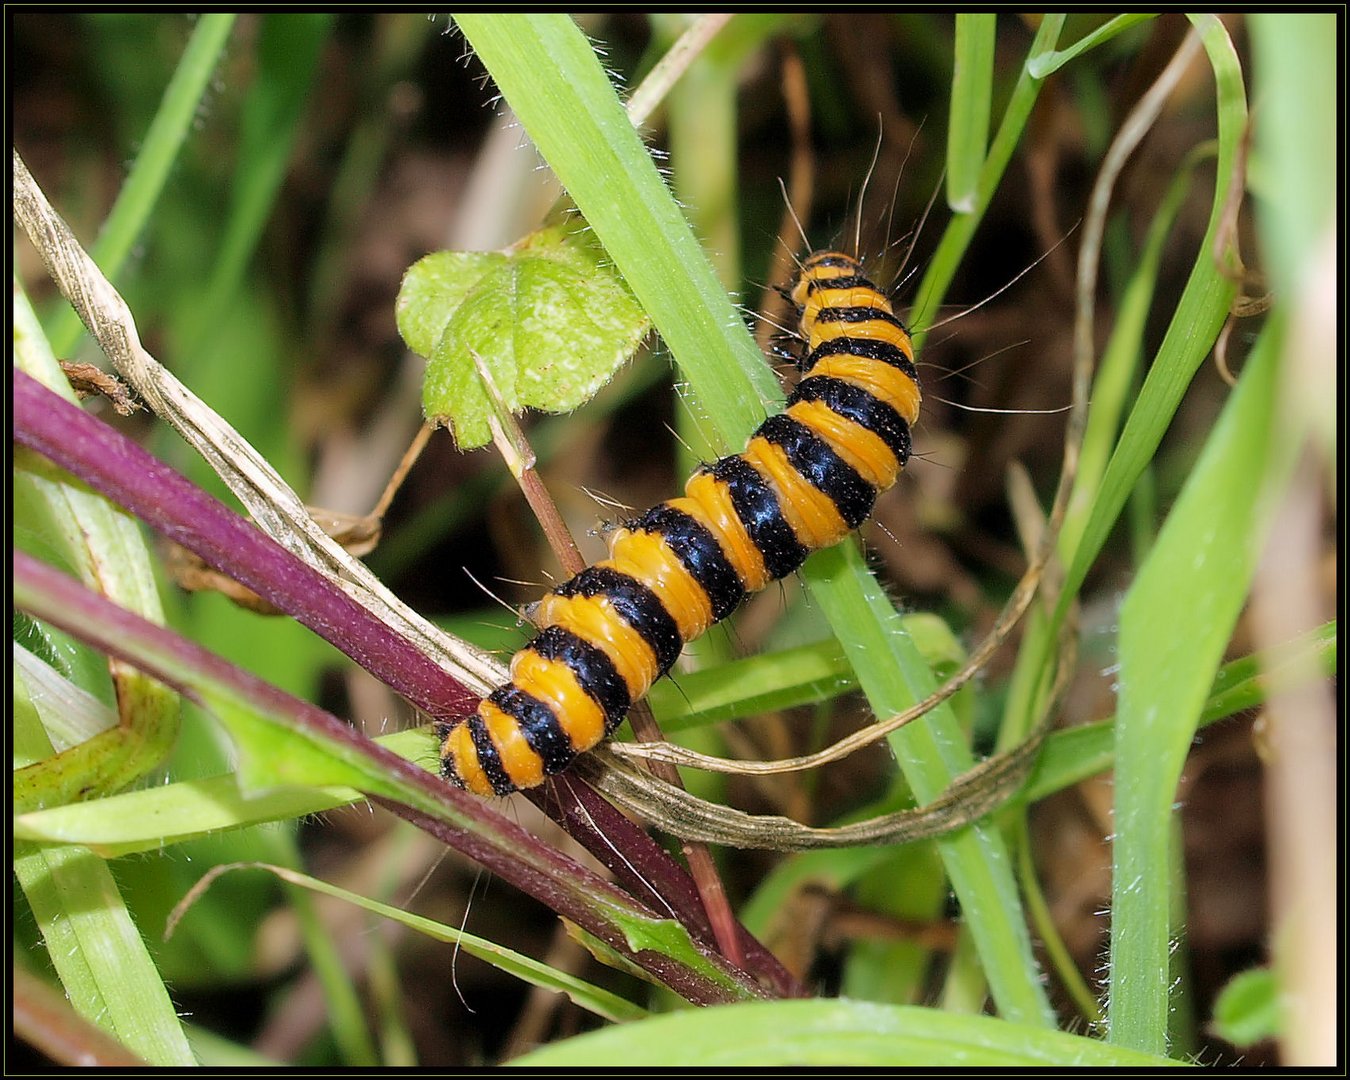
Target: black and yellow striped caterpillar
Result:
[[807, 478]]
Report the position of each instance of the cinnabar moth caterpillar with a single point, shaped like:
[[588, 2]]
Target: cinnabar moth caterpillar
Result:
[[806, 479]]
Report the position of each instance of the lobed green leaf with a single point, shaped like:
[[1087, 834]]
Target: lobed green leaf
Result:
[[543, 326]]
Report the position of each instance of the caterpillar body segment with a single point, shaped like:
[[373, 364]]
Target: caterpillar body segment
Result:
[[807, 478]]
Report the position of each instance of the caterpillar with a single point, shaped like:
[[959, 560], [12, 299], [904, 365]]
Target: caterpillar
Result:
[[807, 478]]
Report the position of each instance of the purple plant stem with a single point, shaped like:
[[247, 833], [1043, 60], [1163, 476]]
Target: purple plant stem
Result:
[[465, 822], [639, 862], [170, 503]]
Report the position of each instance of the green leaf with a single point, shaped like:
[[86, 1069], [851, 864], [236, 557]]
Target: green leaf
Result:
[[1248, 1009], [156, 817], [550, 323], [833, 1033], [549, 74]]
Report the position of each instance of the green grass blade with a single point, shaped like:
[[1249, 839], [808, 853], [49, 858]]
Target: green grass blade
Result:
[[1119, 366], [288, 54], [1116, 374], [784, 679], [154, 162], [931, 753], [92, 942], [833, 1034], [959, 232], [217, 1052], [153, 818], [1297, 63], [1045, 66], [104, 966], [345, 1014], [1174, 626], [1200, 313], [972, 91]]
